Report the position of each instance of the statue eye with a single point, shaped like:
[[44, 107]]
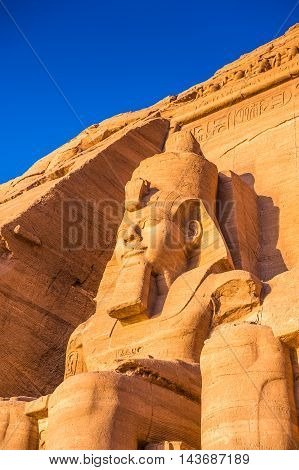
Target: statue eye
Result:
[[148, 223], [142, 224]]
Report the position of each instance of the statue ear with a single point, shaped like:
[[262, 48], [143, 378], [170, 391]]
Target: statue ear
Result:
[[193, 234]]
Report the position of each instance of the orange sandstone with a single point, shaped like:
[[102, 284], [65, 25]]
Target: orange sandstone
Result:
[[196, 290]]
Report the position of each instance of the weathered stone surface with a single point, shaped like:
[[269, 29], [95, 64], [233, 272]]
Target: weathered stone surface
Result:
[[161, 294], [182, 291], [280, 308], [238, 210], [247, 394], [17, 431], [47, 289], [168, 445]]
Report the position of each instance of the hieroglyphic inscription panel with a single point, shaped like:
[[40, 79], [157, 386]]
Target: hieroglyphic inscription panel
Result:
[[247, 111]]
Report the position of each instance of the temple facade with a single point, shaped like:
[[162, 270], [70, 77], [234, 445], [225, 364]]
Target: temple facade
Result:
[[149, 268]]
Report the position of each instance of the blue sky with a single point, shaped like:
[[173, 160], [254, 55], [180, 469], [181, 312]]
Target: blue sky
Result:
[[109, 57]]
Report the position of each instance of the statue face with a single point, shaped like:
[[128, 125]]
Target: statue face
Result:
[[149, 234]]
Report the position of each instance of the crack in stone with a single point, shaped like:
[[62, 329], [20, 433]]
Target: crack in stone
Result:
[[134, 370], [257, 135]]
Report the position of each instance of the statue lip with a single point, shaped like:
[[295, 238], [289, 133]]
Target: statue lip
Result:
[[134, 252]]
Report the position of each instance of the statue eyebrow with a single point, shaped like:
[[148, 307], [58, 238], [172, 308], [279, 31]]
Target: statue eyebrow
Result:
[[125, 226]]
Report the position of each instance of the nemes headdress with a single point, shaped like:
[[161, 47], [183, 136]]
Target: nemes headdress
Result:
[[181, 170]]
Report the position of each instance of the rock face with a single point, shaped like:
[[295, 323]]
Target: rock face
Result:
[[48, 281], [181, 220]]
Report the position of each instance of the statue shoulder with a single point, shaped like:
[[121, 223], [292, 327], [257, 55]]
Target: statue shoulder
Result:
[[228, 295]]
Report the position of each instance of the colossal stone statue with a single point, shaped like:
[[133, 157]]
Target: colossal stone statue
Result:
[[134, 364], [169, 296]]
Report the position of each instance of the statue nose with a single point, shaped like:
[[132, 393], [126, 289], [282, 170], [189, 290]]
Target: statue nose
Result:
[[131, 234]]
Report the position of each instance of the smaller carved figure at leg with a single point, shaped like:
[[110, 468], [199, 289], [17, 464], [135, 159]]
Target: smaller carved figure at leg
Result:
[[17, 431]]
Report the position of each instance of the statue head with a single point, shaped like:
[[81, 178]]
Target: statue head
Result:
[[169, 210], [162, 232]]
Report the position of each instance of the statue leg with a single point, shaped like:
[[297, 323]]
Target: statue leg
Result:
[[95, 411], [295, 364], [108, 410], [17, 431], [247, 390]]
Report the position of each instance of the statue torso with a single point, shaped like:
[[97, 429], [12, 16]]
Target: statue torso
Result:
[[177, 333]]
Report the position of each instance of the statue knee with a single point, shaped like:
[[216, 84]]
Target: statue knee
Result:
[[84, 393], [96, 410]]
